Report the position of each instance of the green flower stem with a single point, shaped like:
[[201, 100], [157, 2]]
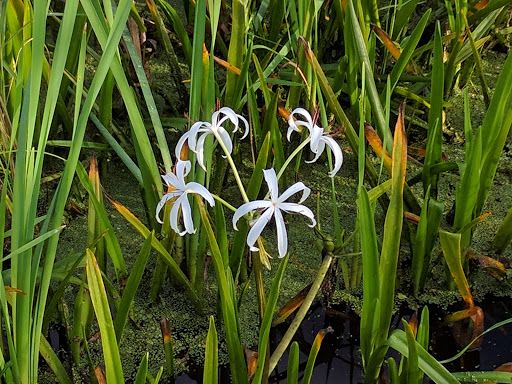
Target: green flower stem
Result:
[[292, 155], [287, 338], [224, 202], [233, 167]]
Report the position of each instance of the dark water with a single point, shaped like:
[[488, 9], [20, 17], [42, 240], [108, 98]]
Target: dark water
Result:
[[339, 359]]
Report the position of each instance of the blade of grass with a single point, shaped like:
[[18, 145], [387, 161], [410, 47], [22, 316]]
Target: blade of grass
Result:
[[292, 376], [371, 280], [435, 118], [113, 247], [266, 322], [373, 96], [113, 368], [426, 362], [451, 246], [211, 361], [142, 372], [392, 230], [308, 372], [228, 303], [53, 361]]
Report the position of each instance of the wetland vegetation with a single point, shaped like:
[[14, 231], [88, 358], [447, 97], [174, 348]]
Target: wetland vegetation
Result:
[[257, 191]]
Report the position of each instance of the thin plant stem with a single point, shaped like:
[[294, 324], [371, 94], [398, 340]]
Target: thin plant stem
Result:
[[288, 336], [224, 202], [233, 167], [292, 155]]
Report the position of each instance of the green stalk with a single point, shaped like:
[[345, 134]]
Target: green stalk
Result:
[[236, 47], [228, 303], [301, 314]]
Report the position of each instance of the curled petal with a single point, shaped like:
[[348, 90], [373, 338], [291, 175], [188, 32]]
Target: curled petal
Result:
[[299, 208], [304, 113], [182, 170], [337, 153], [200, 149], [297, 187], [291, 129], [197, 188], [186, 212], [161, 203], [174, 216], [258, 227], [244, 209], [223, 135], [282, 238], [195, 130], [319, 150], [180, 144], [271, 179], [234, 118], [315, 135]]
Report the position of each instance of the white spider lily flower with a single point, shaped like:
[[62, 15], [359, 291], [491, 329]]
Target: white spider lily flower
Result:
[[180, 190], [215, 128], [318, 138], [273, 207]]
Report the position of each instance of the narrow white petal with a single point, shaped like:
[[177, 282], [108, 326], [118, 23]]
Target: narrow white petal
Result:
[[186, 212], [258, 227], [299, 208], [318, 151], [271, 179], [246, 123], [304, 113], [200, 126], [297, 187], [228, 114], [282, 237], [182, 170], [223, 135], [163, 200], [180, 144], [337, 153], [315, 135], [291, 129], [197, 188], [174, 216], [200, 149], [244, 209]]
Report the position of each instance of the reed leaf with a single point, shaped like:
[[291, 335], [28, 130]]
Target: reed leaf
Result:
[[211, 361], [113, 368], [426, 362], [142, 372], [392, 230], [228, 302], [451, 245], [371, 281], [308, 372], [266, 322]]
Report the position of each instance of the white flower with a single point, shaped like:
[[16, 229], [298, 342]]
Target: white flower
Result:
[[317, 136], [216, 129], [180, 190], [273, 207]]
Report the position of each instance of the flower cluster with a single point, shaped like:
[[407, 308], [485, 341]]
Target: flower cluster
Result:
[[179, 189]]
